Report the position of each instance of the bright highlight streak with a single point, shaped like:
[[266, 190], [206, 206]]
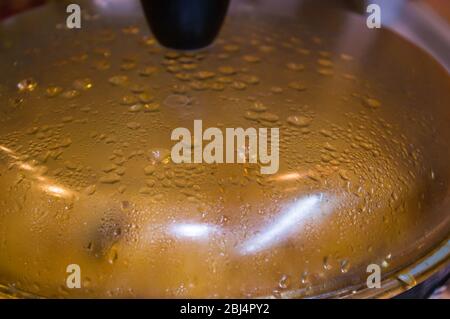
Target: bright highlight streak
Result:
[[5, 149], [27, 167], [192, 230], [56, 191], [283, 226]]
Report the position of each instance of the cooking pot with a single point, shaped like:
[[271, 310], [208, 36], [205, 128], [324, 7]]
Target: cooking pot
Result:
[[92, 203]]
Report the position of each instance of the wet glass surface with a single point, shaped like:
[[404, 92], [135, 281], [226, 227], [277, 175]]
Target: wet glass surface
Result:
[[86, 175]]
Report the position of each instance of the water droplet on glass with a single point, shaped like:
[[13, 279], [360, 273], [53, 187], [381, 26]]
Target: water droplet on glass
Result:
[[297, 86], [53, 91], [299, 120], [83, 84], [284, 282], [372, 103], [110, 178], [28, 84]]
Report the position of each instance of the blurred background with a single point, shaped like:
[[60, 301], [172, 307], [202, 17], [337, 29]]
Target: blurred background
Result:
[[11, 7]]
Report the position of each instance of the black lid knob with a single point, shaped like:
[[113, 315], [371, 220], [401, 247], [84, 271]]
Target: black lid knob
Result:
[[185, 24]]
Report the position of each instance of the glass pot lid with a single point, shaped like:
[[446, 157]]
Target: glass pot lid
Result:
[[87, 176]]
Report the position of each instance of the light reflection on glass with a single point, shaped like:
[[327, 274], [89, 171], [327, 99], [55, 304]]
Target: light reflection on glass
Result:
[[117, 7], [192, 230], [5, 149], [56, 190], [44, 183], [288, 222], [288, 177], [27, 167]]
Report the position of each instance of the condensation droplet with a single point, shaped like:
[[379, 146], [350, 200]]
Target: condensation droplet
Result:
[[372, 103], [110, 178], [28, 84], [83, 84], [53, 91], [284, 282], [299, 120], [297, 86]]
